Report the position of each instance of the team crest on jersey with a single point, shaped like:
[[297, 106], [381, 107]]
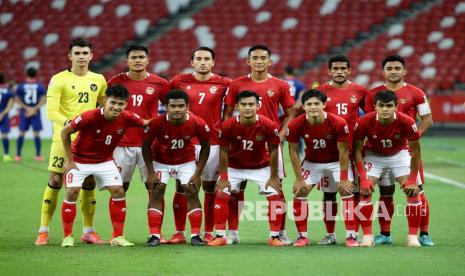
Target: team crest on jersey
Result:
[[306, 136], [93, 87], [374, 136], [353, 99], [149, 90], [270, 92], [213, 89], [98, 131], [188, 87], [402, 100], [120, 131], [397, 136], [187, 137], [329, 136], [238, 137], [328, 99], [259, 138], [166, 137]]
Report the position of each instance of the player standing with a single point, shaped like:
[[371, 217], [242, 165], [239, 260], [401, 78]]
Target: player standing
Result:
[[413, 102], [385, 136], [30, 95], [249, 151], [70, 93], [168, 151], [6, 103], [91, 153], [273, 93], [206, 91], [326, 137], [344, 99], [145, 90]]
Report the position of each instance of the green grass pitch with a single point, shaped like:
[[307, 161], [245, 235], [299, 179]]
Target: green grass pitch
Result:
[[21, 192]]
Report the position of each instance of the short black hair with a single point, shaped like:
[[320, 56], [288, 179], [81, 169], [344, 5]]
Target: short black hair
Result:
[[31, 72], [176, 94], [313, 93], [203, 48], [2, 78], [117, 91], [259, 47], [289, 70], [135, 47], [338, 58], [80, 43], [393, 58], [386, 96], [246, 94]]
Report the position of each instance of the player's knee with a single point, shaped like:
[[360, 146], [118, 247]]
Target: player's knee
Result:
[[158, 192], [72, 194], [329, 196], [387, 190], [89, 183], [116, 191], [55, 181], [191, 191]]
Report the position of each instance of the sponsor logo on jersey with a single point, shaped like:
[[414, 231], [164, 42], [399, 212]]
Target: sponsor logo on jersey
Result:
[[149, 90], [329, 136], [402, 100], [166, 137], [73, 87], [238, 137], [259, 138], [374, 136], [397, 136], [188, 87], [328, 99], [353, 99], [120, 131], [306, 136], [213, 89], [98, 131], [187, 137], [93, 87], [270, 92]]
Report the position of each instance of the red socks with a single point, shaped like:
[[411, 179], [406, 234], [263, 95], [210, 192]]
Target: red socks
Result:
[[221, 210], [68, 213], [301, 214], [276, 208], [195, 218], [329, 215], [413, 213], [365, 212], [233, 219], [385, 212], [283, 222], [348, 210], [155, 219], [208, 203], [118, 215], [424, 222], [180, 211]]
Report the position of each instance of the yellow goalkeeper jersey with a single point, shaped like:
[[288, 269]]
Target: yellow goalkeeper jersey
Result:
[[69, 95]]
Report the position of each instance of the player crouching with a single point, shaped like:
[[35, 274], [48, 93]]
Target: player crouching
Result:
[[326, 139], [384, 136], [248, 151], [168, 151], [91, 153]]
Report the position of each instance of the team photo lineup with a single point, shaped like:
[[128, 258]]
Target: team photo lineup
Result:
[[217, 136]]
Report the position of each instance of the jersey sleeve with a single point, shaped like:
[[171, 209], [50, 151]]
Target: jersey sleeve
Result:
[[134, 120], [410, 129], [231, 93], [342, 131], [53, 102], [273, 134], [80, 122], [359, 130], [225, 134], [369, 104], [152, 130], [202, 130], [421, 103], [286, 100], [292, 135]]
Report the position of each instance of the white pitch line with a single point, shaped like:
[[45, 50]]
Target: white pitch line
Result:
[[449, 161], [446, 180]]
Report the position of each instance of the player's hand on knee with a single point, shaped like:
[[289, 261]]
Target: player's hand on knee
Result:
[[152, 180], [366, 186], [345, 187], [69, 165], [274, 183], [410, 189], [300, 188], [195, 182], [222, 184]]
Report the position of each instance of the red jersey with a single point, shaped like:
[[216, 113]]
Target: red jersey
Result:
[[143, 100], [386, 139], [98, 137], [205, 99], [345, 102], [272, 92], [248, 143], [172, 144], [410, 100], [321, 140]]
